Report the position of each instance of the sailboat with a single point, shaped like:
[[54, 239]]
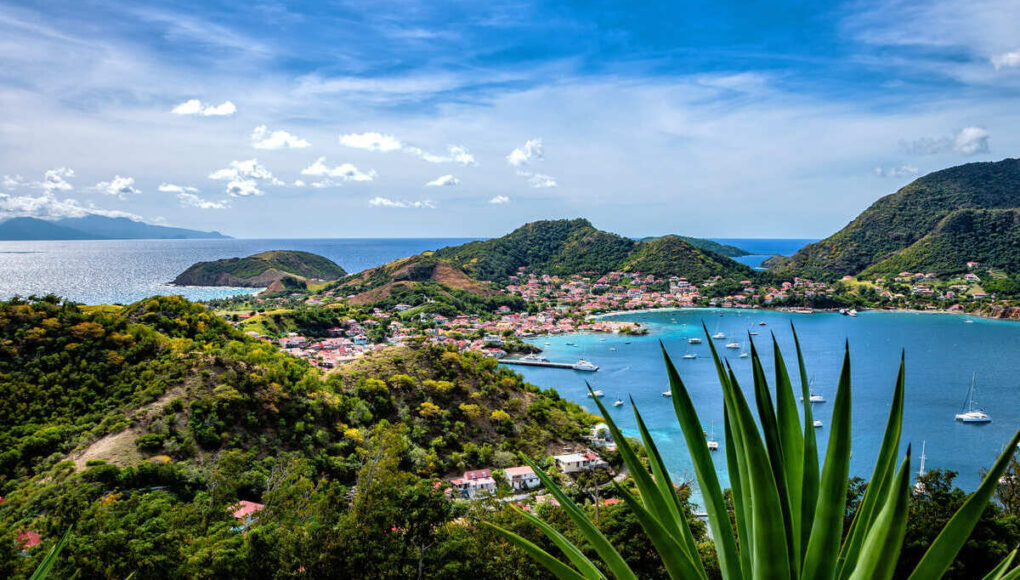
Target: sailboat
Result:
[[743, 353], [596, 393], [618, 402], [919, 487], [689, 354], [713, 445], [719, 335], [733, 345], [812, 396], [972, 414]]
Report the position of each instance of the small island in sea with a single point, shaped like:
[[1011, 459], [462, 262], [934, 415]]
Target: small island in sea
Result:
[[274, 270]]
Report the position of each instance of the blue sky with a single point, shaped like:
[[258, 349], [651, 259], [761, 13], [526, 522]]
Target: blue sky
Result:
[[398, 118]]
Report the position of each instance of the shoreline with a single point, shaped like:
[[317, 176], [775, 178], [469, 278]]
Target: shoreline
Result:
[[612, 313]]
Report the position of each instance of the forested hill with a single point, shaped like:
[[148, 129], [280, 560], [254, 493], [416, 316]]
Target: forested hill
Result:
[[923, 208], [143, 425], [573, 246], [261, 270]]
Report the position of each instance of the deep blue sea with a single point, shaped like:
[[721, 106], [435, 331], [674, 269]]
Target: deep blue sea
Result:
[[942, 354], [763, 248]]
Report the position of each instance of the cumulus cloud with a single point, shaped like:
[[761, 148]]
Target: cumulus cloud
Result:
[[969, 141], [192, 200], [263, 138], [14, 181], [1006, 60], [47, 206], [540, 181], [443, 181], [371, 141], [901, 171], [244, 178], [500, 200], [530, 152], [386, 202], [345, 172], [56, 180], [195, 107], [118, 186], [171, 188]]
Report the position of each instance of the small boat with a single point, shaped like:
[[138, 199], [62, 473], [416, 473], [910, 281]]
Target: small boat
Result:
[[584, 366], [968, 322], [852, 312], [733, 345], [548, 343], [628, 342], [602, 340], [690, 355], [534, 358], [667, 393], [817, 424], [596, 393], [762, 323], [694, 340], [612, 348], [753, 332], [743, 354], [971, 413], [919, 487], [713, 445], [618, 402], [719, 336], [815, 398], [569, 344]]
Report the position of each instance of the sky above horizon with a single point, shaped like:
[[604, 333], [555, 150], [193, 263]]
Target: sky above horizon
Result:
[[399, 118]]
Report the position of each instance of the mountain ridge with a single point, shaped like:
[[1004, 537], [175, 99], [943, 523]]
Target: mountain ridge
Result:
[[94, 227]]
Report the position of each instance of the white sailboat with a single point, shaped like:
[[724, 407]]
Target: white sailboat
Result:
[[618, 402], [688, 354], [596, 393], [743, 353], [694, 340], [713, 445], [918, 486], [812, 396], [667, 393], [971, 413], [734, 345]]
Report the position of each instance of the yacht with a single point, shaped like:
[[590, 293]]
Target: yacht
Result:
[[667, 393], [612, 348], [534, 358], [818, 424], [762, 323], [713, 445], [618, 402], [733, 345], [743, 354], [585, 366], [719, 336], [596, 393], [971, 413], [815, 398], [690, 355], [852, 312], [694, 340]]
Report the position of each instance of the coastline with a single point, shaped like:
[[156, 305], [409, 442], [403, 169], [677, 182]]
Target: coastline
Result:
[[614, 313]]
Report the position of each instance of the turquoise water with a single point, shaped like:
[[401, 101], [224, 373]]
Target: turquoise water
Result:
[[942, 353]]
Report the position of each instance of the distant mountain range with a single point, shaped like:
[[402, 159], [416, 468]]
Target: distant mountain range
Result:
[[937, 223], [95, 227]]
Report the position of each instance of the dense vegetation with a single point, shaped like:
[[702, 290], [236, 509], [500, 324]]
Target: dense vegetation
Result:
[[573, 246], [260, 269], [719, 248], [895, 222]]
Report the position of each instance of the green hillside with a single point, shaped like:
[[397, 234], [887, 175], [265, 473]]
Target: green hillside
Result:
[[723, 249], [990, 237], [897, 221], [573, 246], [260, 270]]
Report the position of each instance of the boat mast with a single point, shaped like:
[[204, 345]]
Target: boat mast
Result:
[[920, 472]]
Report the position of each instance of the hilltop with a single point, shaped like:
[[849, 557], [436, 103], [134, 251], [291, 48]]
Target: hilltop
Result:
[[274, 269], [567, 247], [881, 239], [95, 227]]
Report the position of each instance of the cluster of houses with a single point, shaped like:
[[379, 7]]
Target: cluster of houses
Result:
[[613, 291], [480, 482]]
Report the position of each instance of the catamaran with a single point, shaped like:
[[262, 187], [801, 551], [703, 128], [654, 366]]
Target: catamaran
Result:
[[971, 413]]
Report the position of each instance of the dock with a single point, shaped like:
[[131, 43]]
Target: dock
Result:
[[536, 363]]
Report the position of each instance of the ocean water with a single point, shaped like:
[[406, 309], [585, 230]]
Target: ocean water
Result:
[[123, 271], [942, 354], [764, 248]]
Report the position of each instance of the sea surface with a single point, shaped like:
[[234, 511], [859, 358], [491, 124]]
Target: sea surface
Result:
[[763, 248], [123, 271], [943, 353]]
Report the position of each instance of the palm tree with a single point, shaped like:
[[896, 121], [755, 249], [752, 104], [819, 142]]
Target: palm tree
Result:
[[788, 512]]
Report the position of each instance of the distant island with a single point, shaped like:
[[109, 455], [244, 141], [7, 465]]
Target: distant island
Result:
[[275, 270], [95, 227]]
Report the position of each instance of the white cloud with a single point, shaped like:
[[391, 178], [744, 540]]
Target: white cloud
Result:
[[263, 138], [345, 172], [455, 154], [386, 202], [1006, 60], [192, 200], [195, 107], [371, 141], [531, 151], [540, 181], [46, 206], [119, 186], [171, 188], [299, 183], [443, 181], [14, 181], [971, 140], [500, 200], [56, 180], [901, 171], [244, 178]]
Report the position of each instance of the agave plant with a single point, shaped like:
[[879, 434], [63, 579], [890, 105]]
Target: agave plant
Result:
[[788, 510]]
